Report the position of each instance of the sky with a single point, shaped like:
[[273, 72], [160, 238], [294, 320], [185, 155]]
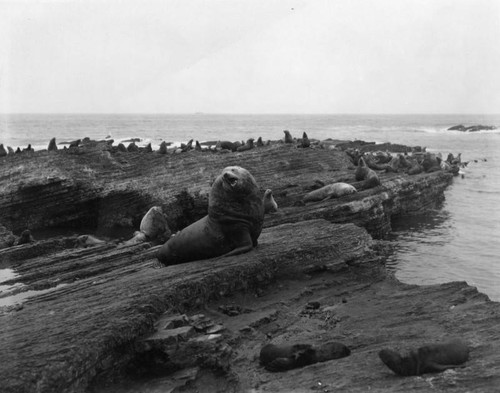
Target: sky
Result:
[[250, 56]]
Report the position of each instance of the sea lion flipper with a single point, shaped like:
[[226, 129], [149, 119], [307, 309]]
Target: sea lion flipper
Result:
[[242, 242]]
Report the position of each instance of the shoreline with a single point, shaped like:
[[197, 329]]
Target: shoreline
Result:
[[317, 244]]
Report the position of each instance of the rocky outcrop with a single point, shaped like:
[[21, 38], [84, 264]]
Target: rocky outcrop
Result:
[[316, 276], [474, 128]]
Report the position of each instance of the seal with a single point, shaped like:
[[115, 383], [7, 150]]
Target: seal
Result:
[[288, 136], [232, 226], [431, 358], [334, 190], [270, 205], [247, 146], [286, 357], [364, 173]]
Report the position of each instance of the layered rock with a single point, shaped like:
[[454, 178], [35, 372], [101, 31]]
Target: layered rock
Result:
[[94, 311]]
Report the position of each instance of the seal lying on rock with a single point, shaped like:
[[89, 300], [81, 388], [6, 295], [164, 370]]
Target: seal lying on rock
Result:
[[431, 358], [334, 190], [286, 357], [232, 226]]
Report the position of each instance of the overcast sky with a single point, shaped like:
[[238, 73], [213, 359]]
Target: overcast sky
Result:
[[255, 56]]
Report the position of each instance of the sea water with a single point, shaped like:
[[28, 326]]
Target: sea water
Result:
[[457, 241]]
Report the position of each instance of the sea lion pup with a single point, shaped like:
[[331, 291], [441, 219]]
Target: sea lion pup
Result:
[[259, 142], [270, 205], [288, 136], [286, 357], [247, 146], [304, 142], [334, 190], [364, 173], [88, 241], [25, 238], [431, 358], [232, 226], [52, 145], [154, 225]]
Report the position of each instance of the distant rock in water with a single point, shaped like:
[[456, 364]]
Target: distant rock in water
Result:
[[474, 128]]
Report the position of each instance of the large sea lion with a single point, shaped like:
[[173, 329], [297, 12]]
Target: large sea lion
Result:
[[286, 357], [334, 190], [431, 358], [270, 205], [232, 226]]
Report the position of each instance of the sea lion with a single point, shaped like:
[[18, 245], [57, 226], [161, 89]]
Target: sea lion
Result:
[[286, 357], [431, 358], [197, 146], [132, 147], [270, 205], [232, 226], [75, 143], [163, 148], [431, 163], [186, 147], [18, 150], [364, 173], [247, 146], [227, 145], [288, 136], [121, 147], [10, 149], [304, 142], [52, 145], [29, 149], [25, 238], [3, 152], [259, 142], [148, 148], [393, 165], [154, 225], [373, 164], [334, 190], [88, 241]]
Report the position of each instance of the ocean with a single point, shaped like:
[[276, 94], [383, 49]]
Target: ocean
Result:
[[457, 241]]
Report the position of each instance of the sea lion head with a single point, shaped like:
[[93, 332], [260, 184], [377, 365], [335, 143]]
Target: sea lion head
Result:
[[236, 180], [235, 194]]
